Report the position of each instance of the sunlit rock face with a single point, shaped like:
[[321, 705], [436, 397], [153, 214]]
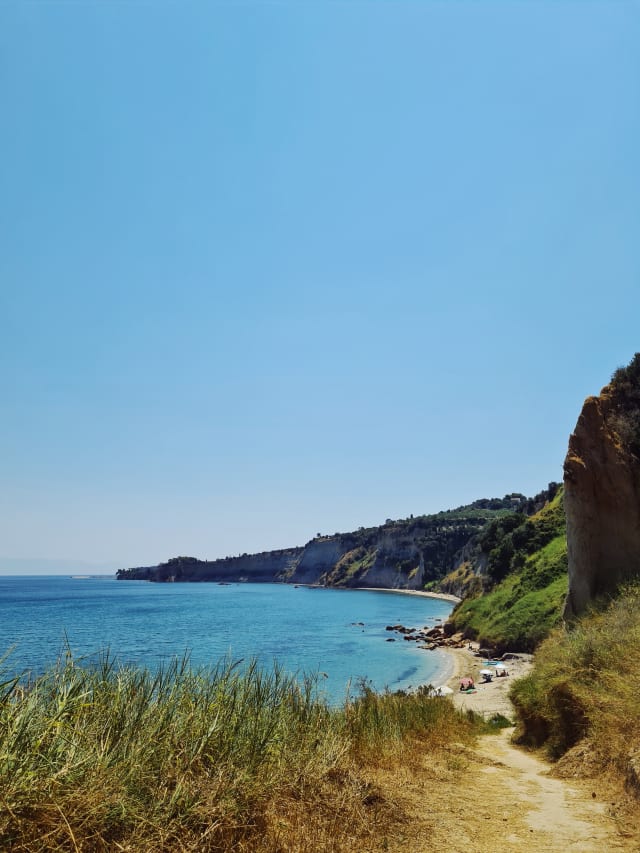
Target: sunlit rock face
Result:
[[602, 504]]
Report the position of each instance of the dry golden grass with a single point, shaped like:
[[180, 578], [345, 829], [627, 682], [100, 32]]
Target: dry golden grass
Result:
[[111, 759], [586, 684]]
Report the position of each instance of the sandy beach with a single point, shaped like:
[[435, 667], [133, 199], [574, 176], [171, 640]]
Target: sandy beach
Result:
[[441, 595], [491, 698]]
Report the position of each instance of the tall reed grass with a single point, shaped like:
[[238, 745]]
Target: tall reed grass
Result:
[[104, 757]]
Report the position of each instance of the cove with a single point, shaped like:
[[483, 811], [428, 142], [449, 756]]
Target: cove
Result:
[[338, 634]]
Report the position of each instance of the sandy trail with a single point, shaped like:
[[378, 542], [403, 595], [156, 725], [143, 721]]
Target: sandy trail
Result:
[[494, 797], [554, 815]]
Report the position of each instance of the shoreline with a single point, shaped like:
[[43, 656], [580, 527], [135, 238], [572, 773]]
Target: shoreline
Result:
[[422, 663], [443, 596], [449, 671]]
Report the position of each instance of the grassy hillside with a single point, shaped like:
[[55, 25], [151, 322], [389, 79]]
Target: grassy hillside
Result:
[[525, 581], [585, 685]]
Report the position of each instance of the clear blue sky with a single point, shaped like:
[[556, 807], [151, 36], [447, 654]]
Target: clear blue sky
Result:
[[274, 268]]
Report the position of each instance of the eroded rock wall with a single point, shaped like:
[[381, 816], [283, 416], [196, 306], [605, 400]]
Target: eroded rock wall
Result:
[[602, 505], [319, 557]]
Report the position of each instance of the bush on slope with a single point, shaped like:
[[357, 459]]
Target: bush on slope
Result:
[[524, 600]]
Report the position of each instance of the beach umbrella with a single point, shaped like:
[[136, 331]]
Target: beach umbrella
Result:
[[442, 691], [486, 672]]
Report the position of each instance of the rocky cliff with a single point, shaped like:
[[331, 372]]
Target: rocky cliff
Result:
[[266, 567], [602, 491], [404, 554]]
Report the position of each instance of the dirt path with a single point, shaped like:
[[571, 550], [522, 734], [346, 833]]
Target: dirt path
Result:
[[494, 798], [553, 814]]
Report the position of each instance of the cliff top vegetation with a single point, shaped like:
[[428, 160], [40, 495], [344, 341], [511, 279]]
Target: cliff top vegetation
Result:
[[625, 393], [483, 509]]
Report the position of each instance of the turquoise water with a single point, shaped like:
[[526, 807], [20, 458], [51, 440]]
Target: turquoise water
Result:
[[305, 629]]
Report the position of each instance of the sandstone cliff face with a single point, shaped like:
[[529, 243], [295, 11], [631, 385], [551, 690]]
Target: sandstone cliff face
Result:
[[318, 557], [398, 563], [602, 505]]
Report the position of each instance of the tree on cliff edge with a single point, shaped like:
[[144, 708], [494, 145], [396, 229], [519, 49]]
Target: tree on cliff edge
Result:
[[625, 385]]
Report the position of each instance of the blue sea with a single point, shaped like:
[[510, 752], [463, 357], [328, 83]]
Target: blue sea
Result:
[[339, 634]]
